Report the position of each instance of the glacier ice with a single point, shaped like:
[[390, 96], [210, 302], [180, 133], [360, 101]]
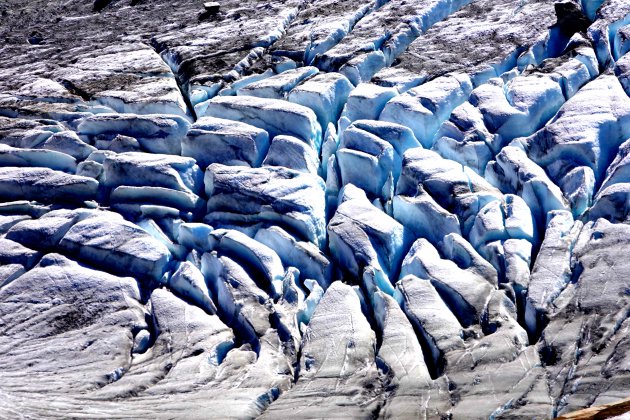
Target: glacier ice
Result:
[[188, 281], [110, 242], [257, 255], [289, 198], [277, 86], [552, 271], [463, 291], [361, 235], [46, 185], [293, 153], [156, 133], [216, 140], [425, 107], [464, 138], [338, 343], [440, 331], [371, 209], [67, 142], [514, 172], [272, 115], [310, 260], [575, 136], [374, 144], [240, 301], [13, 156], [366, 101], [325, 94], [152, 170]]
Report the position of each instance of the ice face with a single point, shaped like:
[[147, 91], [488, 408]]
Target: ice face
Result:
[[286, 197], [277, 87], [155, 133], [272, 115], [362, 235], [311, 262], [293, 153], [440, 331], [215, 140], [424, 108], [338, 319], [325, 94], [367, 101], [575, 137], [463, 291], [45, 185], [370, 209], [513, 171], [113, 242], [401, 351]]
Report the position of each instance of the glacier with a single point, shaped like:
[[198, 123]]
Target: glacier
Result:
[[390, 209]]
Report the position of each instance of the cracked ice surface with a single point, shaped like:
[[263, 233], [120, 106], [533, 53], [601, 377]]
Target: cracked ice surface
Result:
[[332, 209]]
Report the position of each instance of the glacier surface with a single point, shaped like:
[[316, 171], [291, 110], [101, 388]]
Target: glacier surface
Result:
[[298, 209]]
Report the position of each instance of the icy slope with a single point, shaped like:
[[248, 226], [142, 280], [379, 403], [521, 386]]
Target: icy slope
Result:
[[333, 209]]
